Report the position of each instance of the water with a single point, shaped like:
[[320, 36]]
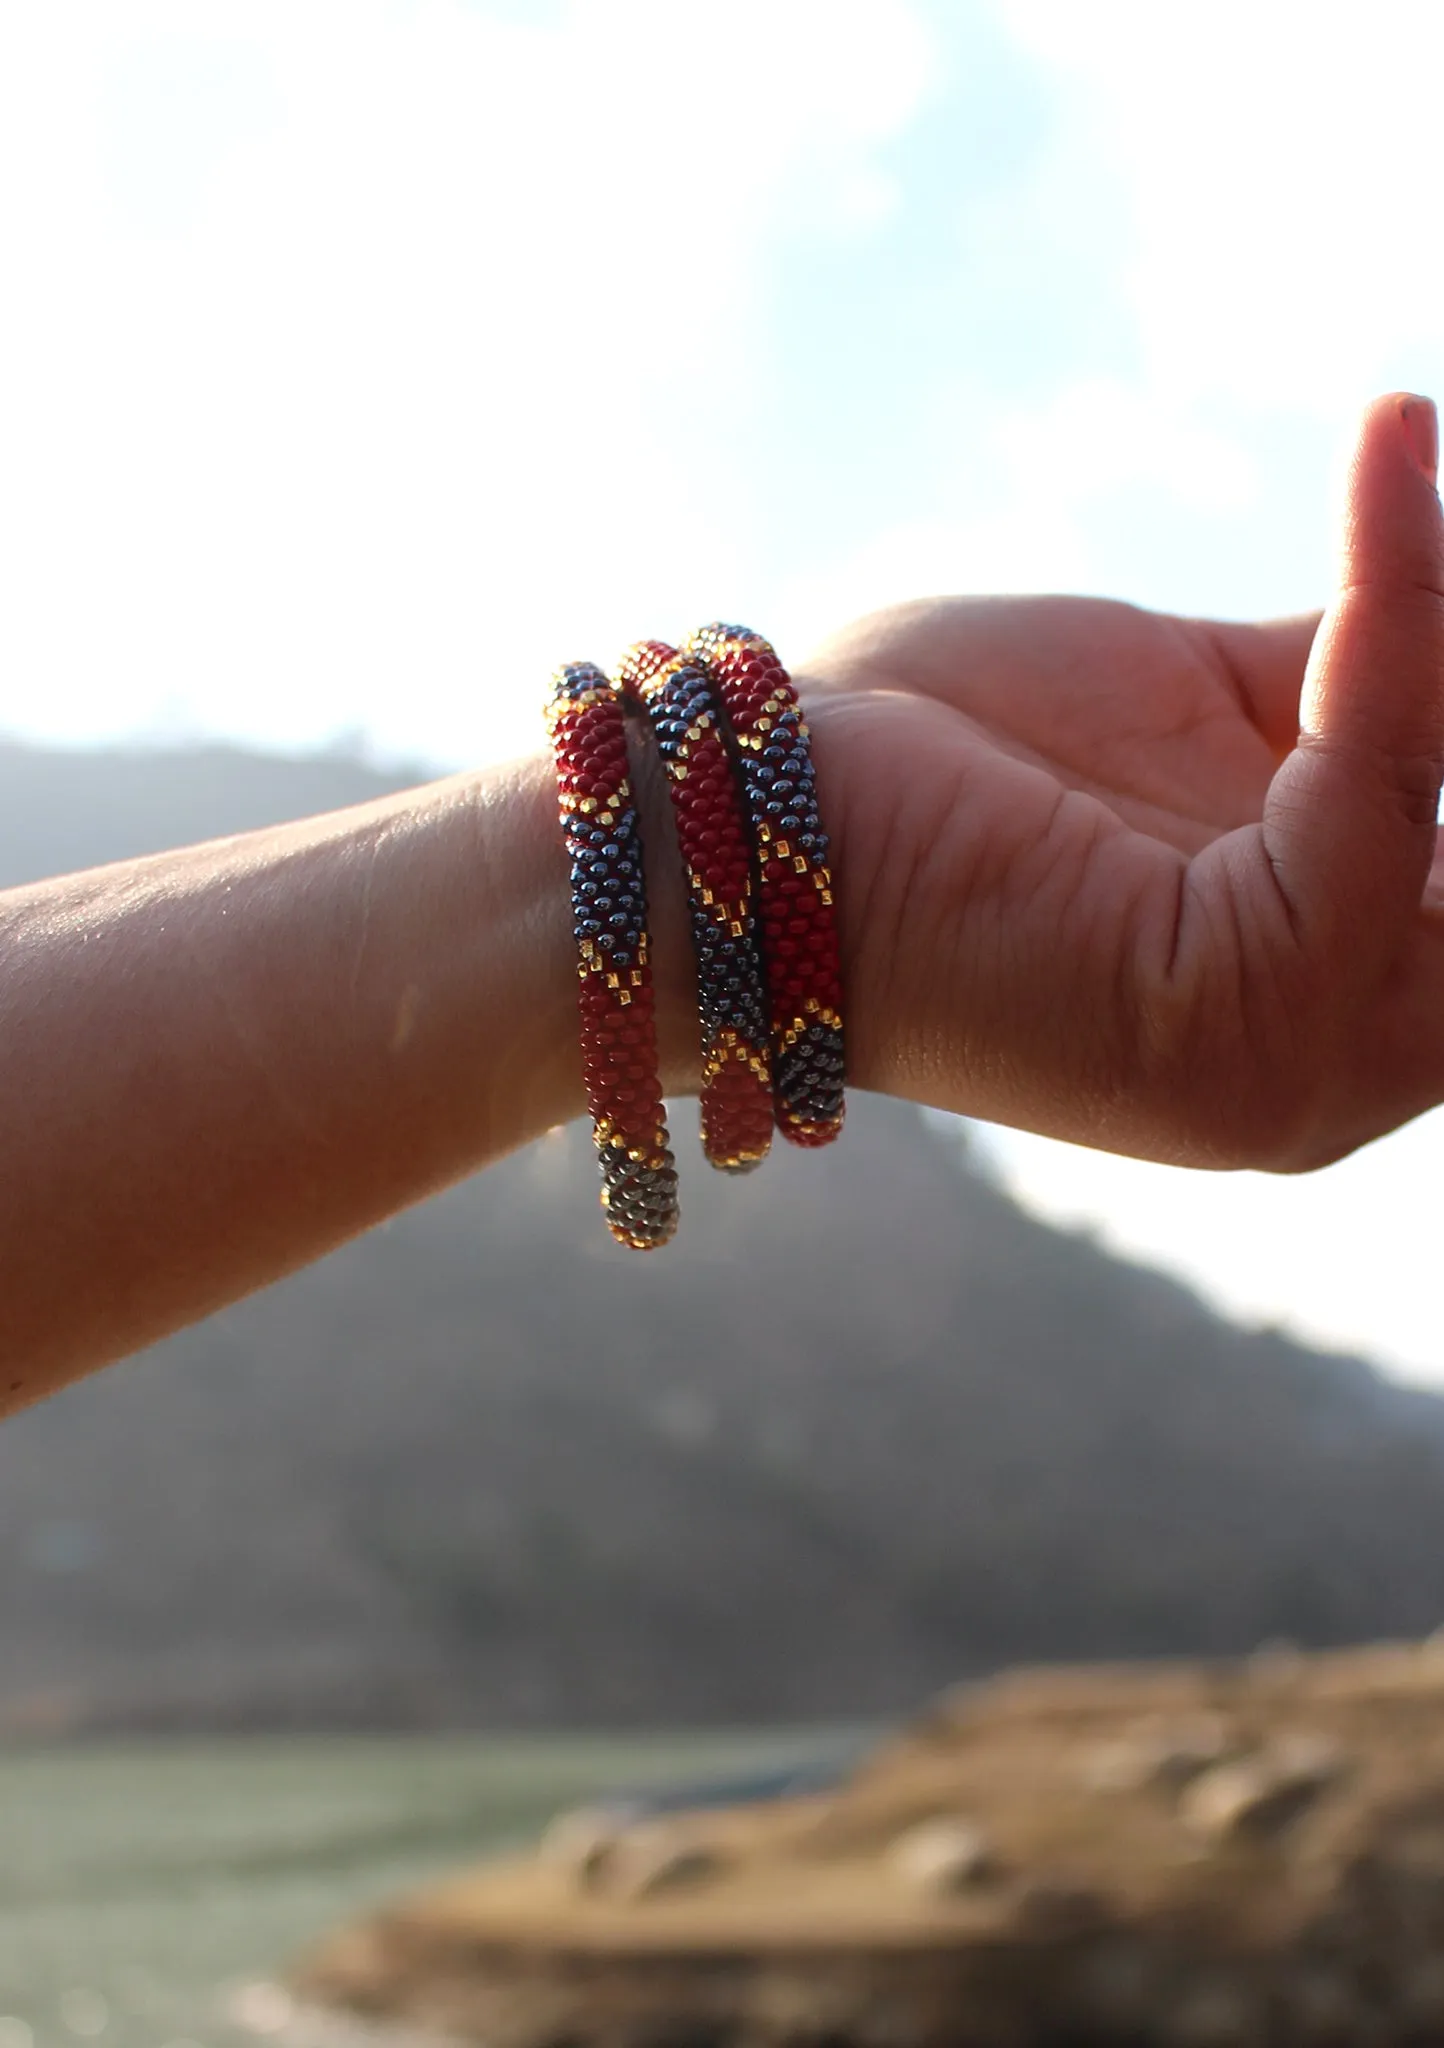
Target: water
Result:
[[151, 1896]]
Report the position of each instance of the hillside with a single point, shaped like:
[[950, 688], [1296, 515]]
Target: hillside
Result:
[[865, 1428]]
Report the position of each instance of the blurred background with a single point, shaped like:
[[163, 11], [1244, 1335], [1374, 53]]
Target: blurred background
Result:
[[361, 360]]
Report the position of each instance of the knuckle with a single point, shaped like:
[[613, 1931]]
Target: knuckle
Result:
[[1407, 772], [1413, 780], [1235, 1047]]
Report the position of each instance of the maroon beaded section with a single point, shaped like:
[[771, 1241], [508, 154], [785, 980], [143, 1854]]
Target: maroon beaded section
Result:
[[712, 831], [799, 924], [587, 728]]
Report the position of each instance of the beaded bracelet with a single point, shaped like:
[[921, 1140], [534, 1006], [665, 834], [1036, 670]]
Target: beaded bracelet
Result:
[[712, 832], [587, 728], [799, 925]]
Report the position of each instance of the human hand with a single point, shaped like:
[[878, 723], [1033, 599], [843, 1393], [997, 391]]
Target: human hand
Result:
[[1139, 881]]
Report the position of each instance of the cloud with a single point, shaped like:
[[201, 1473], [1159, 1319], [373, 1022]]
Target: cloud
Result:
[[1276, 163], [409, 369], [1029, 511]]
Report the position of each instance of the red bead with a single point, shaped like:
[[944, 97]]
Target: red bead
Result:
[[800, 928], [713, 834], [619, 1047]]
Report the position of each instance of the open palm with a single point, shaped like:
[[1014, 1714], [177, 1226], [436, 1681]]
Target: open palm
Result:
[[1094, 880]]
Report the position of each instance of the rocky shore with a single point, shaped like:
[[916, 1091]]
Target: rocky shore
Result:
[[1189, 1855]]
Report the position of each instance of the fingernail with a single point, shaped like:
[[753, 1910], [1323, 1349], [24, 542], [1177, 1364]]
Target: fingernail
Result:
[[1421, 431]]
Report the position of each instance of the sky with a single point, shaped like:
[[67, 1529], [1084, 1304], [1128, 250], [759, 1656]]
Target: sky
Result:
[[364, 358]]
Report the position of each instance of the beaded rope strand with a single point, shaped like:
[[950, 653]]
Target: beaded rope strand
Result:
[[587, 728], [799, 924], [712, 833]]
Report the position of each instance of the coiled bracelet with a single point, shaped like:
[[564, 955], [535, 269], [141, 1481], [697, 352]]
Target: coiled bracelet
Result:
[[736, 751], [609, 922]]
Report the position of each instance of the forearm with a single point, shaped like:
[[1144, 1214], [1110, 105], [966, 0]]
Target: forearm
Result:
[[217, 1064]]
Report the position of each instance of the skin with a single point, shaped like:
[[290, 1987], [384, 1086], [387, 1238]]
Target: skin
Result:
[[1158, 885], [1154, 884]]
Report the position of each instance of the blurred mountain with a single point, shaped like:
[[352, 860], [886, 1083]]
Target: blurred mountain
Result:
[[866, 1428]]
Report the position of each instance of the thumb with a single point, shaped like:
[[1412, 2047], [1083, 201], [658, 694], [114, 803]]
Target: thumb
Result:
[[1349, 823]]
